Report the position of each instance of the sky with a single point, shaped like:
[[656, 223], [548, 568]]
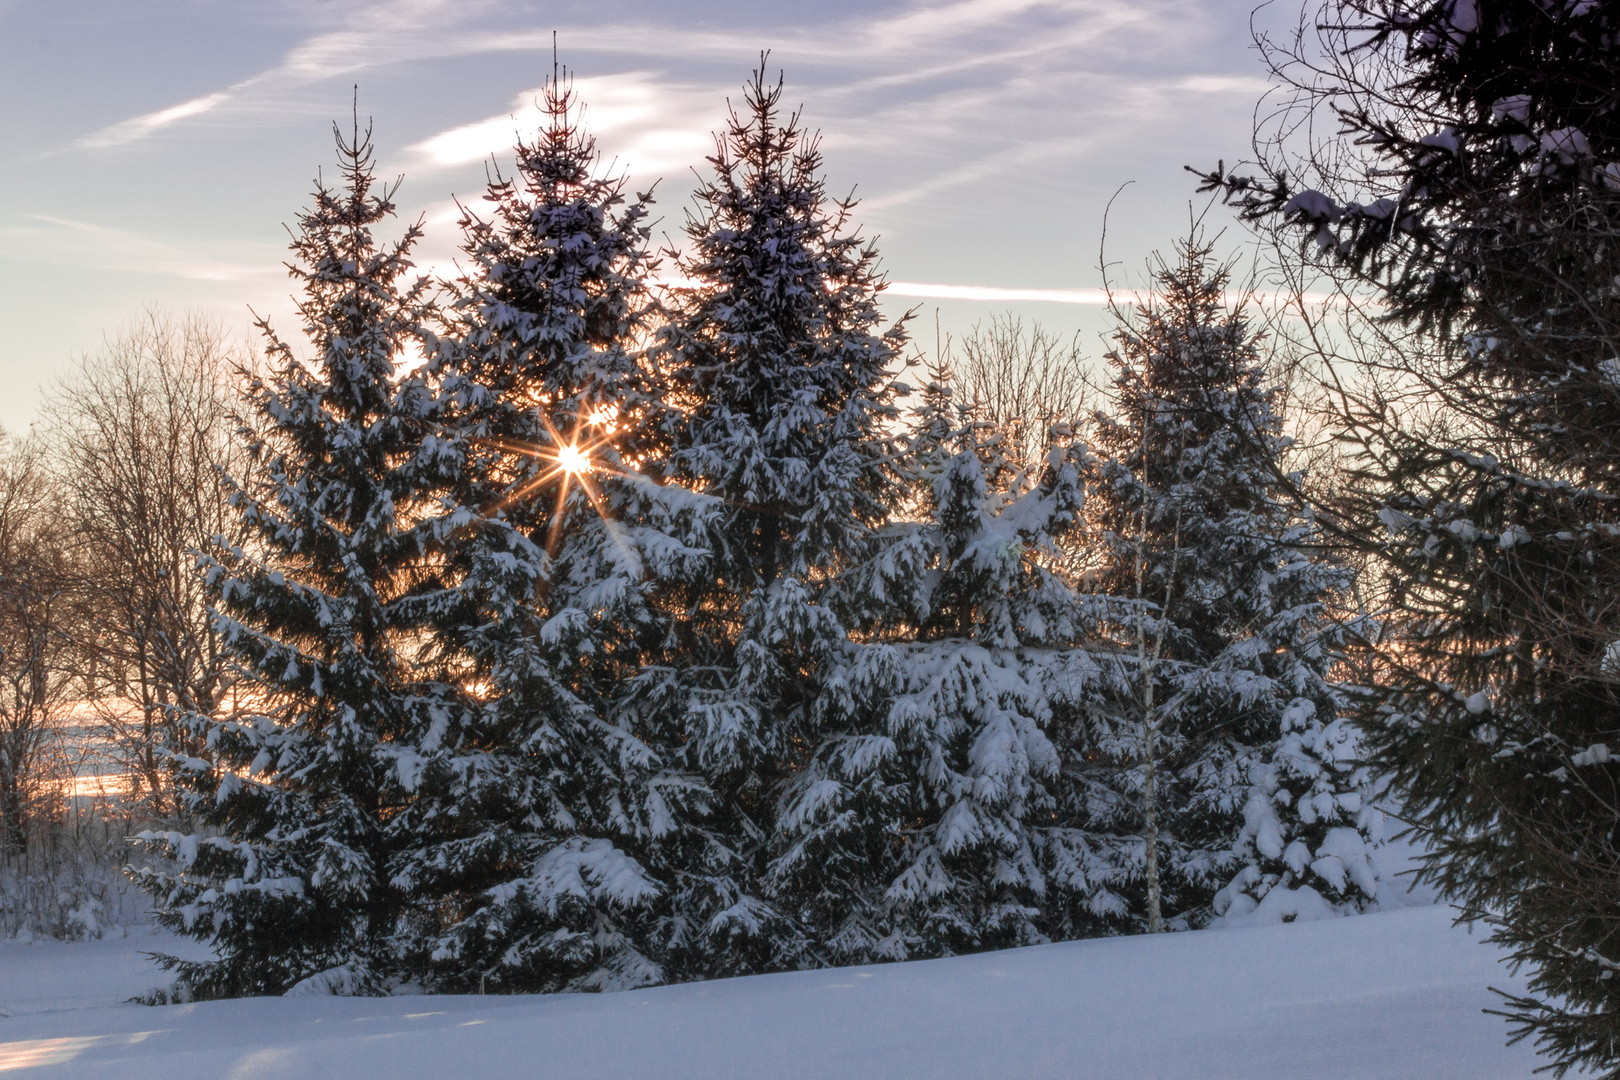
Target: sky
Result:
[[154, 150]]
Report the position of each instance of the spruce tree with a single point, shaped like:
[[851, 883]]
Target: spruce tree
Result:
[[1479, 208], [537, 800], [922, 823], [1308, 829], [287, 876], [1219, 742], [784, 381]]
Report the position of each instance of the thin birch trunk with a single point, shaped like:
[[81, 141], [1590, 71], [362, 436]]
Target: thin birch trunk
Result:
[[1147, 666]]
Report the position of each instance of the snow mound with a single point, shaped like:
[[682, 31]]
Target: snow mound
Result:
[[1394, 995]]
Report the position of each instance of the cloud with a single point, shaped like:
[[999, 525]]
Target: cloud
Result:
[[946, 38], [996, 294], [413, 31], [937, 106], [139, 127], [643, 125], [1092, 297], [926, 26], [99, 246], [1248, 86]]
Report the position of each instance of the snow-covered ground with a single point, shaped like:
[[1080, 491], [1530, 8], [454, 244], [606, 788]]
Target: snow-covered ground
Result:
[[1394, 995]]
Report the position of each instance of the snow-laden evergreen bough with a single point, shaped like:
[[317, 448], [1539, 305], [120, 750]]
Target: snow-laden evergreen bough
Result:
[[532, 844], [922, 823], [287, 874], [1480, 206], [785, 384], [1219, 759]]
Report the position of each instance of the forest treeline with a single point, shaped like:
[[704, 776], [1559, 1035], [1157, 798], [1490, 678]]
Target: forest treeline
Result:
[[650, 634], [645, 634]]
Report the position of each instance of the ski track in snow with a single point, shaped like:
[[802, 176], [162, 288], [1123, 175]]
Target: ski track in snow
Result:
[[1395, 995]]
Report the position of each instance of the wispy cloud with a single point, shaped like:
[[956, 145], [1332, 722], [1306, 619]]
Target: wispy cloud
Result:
[[926, 42], [929, 26], [106, 248], [1092, 297], [128, 131], [410, 29], [927, 99], [647, 125], [996, 294], [1246, 86]]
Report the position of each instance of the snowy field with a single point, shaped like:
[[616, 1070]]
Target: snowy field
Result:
[[1395, 995]]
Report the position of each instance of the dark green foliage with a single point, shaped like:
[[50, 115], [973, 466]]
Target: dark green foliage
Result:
[[535, 801], [922, 823], [287, 877], [785, 384], [1485, 211], [1215, 611]]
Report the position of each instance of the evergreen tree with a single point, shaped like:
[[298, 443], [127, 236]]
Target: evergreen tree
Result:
[[1221, 647], [1479, 208], [784, 381], [536, 798], [1307, 832], [922, 824], [286, 878]]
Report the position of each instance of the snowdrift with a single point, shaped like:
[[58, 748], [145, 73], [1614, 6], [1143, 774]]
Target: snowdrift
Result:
[[1395, 995]]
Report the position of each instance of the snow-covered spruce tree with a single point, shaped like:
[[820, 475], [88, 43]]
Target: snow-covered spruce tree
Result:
[[784, 379], [535, 798], [1222, 746], [922, 824], [1481, 204], [286, 878]]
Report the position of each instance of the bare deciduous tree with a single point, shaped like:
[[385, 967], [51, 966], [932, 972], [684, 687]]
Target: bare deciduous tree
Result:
[[34, 671], [140, 436], [1027, 384]]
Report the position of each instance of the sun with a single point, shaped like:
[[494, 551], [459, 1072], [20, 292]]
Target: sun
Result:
[[571, 459], [566, 461]]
